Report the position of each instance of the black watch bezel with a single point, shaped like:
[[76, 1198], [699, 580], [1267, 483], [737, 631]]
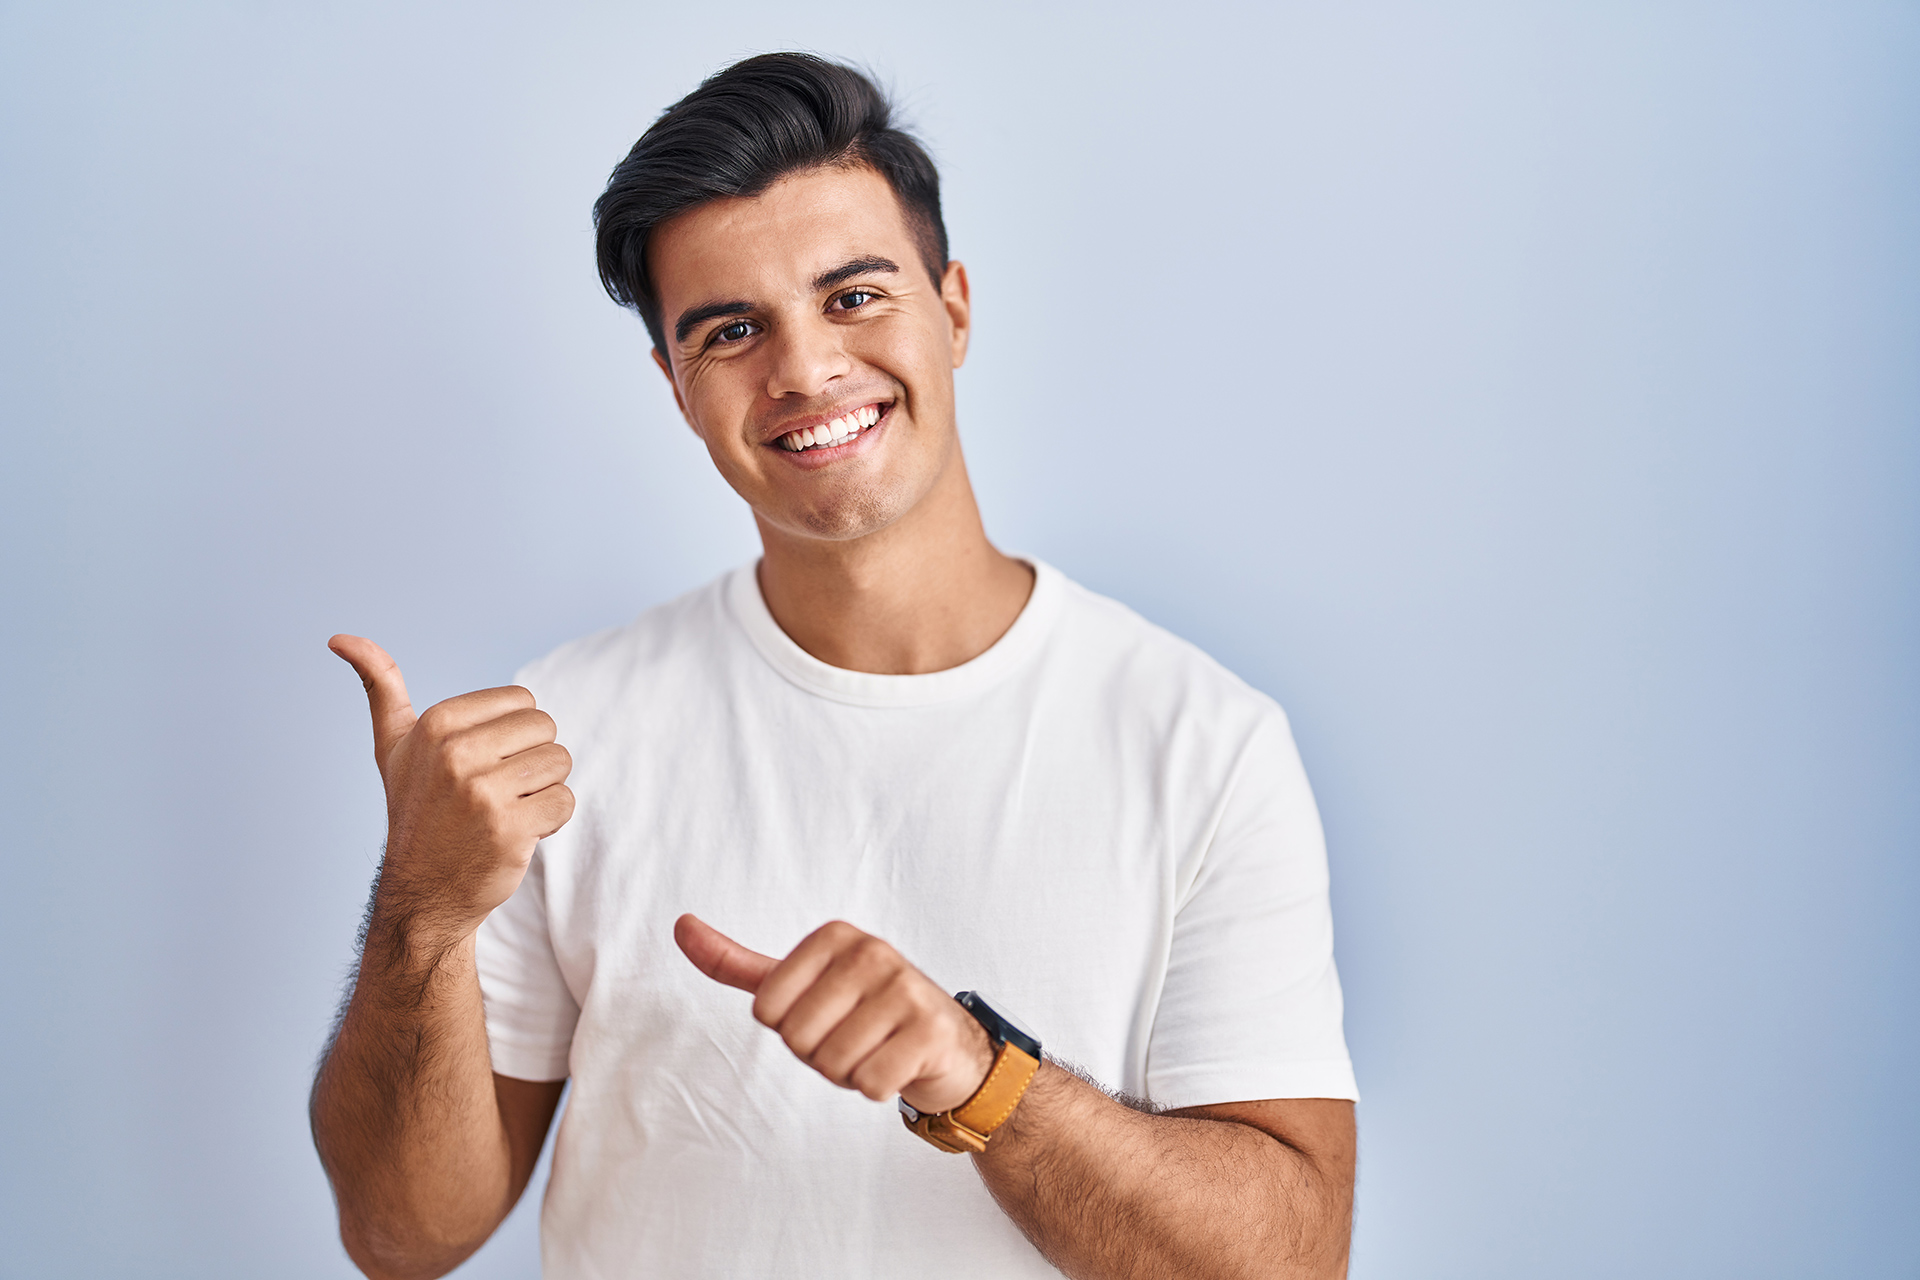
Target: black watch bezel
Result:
[[998, 1027]]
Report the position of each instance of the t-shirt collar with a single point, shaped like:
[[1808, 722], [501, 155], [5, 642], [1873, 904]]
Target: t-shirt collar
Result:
[[866, 689]]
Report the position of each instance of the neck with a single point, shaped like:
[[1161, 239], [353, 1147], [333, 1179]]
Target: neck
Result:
[[926, 593]]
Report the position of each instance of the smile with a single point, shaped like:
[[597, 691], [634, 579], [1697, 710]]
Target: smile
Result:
[[829, 434]]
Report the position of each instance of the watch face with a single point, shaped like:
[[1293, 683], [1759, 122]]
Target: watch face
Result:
[[1000, 1024]]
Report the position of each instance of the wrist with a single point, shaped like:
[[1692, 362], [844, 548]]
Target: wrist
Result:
[[418, 901], [969, 1125], [983, 1051], [410, 944]]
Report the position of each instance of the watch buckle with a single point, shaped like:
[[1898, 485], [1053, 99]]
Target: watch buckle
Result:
[[943, 1131]]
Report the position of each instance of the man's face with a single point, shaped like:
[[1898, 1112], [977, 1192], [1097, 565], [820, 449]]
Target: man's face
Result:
[[811, 352]]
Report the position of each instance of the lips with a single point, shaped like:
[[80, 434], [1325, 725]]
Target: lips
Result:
[[828, 434]]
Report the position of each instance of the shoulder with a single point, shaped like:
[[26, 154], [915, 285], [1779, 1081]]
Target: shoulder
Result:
[[665, 648], [1150, 669]]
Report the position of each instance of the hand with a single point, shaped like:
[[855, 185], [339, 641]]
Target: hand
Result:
[[471, 785], [853, 1009]]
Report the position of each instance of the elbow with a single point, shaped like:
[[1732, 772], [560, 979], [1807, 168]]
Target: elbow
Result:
[[1304, 1231], [1319, 1247], [384, 1254], [390, 1232]]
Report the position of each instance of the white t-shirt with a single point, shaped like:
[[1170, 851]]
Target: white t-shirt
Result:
[[1092, 824]]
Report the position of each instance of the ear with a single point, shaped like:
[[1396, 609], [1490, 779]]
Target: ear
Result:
[[666, 368], [958, 300]]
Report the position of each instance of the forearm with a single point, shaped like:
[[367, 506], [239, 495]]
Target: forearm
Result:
[[405, 1114], [1106, 1191]]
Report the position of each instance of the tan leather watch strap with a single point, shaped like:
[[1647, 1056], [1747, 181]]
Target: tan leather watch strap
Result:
[[999, 1093], [968, 1126]]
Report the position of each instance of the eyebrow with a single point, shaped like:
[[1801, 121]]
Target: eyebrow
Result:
[[694, 317], [848, 270]]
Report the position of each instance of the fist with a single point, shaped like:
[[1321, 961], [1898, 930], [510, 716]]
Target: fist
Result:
[[471, 785], [853, 1009]]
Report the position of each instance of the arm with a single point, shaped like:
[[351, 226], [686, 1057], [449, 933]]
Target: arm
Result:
[[1237, 1189], [427, 1149], [1101, 1188]]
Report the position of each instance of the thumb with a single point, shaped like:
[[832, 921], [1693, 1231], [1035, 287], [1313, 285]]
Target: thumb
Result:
[[720, 957], [386, 692]]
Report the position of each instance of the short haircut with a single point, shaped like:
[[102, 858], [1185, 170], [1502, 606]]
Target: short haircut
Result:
[[740, 132]]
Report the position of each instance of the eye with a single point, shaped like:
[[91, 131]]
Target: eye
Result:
[[733, 331], [853, 299]]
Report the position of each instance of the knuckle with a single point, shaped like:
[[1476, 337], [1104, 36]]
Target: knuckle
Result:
[[878, 963], [868, 1080], [494, 830], [458, 756]]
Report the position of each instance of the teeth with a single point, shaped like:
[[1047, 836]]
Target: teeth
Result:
[[831, 433]]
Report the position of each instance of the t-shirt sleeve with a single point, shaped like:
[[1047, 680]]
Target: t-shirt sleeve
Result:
[[530, 1011], [1251, 1006]]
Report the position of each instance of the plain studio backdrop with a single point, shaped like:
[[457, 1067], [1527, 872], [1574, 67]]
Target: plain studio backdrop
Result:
[[1525, 395]]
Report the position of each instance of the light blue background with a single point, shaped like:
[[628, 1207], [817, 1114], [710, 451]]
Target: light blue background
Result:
[[1526, 395]]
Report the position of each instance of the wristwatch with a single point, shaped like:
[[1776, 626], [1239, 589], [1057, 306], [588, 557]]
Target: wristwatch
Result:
[[1016, 1056]]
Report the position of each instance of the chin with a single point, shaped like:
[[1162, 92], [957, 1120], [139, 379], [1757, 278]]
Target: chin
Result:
[[852, 505], [847, 521], [851, 516]]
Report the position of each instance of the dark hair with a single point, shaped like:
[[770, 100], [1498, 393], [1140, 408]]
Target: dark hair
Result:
[[741, 131]]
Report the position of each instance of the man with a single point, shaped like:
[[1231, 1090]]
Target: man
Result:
[[1002, 780]]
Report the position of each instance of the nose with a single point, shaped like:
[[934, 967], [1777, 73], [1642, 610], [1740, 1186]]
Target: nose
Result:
[[808, 355]]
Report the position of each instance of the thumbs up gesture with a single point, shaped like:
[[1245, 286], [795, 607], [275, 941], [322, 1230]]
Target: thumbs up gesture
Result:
[[471, 784]]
